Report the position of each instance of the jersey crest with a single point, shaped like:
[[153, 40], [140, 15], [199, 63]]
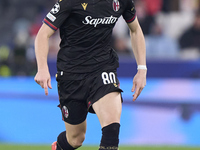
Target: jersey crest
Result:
[[116, 5]]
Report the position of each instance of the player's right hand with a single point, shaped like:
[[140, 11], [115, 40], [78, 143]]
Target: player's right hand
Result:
[[43, 78]]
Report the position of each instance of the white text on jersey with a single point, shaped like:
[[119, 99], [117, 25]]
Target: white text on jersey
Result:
[[95, 21]]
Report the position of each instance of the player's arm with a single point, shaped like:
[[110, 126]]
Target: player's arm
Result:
[[139, 50], [41, 51], [53, 20]]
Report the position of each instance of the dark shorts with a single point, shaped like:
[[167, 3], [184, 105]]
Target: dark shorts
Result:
[[77, 96]]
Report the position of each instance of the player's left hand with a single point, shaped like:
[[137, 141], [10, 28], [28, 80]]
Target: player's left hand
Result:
[[139, 82]]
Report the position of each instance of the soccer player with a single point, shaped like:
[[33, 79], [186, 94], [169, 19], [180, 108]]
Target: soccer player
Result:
[[87, 64]]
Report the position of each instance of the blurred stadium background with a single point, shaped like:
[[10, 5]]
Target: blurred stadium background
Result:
[[167, 112]]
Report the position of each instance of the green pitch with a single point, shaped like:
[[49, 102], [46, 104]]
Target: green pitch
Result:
[[30, 147]]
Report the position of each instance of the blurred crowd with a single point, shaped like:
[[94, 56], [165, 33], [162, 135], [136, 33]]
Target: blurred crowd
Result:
[[171, 29]]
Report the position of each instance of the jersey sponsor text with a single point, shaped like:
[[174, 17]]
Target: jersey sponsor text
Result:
[[95, 21]]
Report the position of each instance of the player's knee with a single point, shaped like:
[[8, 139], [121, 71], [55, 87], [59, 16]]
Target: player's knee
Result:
[[110, 136], [76, 141]]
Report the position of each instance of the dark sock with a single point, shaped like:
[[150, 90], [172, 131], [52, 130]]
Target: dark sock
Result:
[[62, 143], [110, 137]]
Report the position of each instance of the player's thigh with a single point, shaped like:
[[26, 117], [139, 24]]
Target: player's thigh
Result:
[[75, 131], [108, 108]]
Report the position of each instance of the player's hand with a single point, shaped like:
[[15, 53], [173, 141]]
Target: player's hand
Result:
[[43, 78], [139, 82]]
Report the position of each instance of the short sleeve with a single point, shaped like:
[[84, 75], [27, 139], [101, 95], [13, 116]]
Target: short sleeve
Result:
[[58, 14], [129, 14]]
